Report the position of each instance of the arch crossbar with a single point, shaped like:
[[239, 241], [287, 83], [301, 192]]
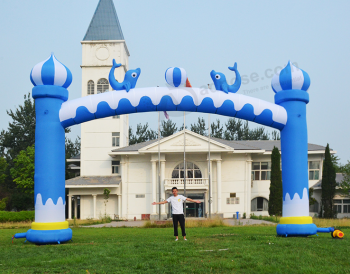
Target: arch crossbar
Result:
[[137, 100]]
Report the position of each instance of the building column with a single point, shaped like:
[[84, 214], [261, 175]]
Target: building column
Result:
[[69, 207], [119, 206], [124, 200], [154, 186], [248, 189], [218, 182], [94, 203], [75, 207], [162, 188]]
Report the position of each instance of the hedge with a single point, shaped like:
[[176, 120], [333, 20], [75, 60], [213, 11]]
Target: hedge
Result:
[[22, 216]]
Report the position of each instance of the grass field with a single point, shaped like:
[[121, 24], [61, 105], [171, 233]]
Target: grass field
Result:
[[241, 249]]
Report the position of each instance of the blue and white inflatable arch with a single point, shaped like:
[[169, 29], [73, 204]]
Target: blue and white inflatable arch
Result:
[[54, 113]]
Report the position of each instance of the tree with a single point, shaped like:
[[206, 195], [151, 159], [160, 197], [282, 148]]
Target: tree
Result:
[[275, 135], [143, 134], [217, 130], [106, 193], [236, 130], [21, 131], [276, 193], [199, 127], [23, 171], [3, 168], [72, 149], [312, 200], [345, 183], [335, 160], [233, 127], [328, 186], [168, 128]]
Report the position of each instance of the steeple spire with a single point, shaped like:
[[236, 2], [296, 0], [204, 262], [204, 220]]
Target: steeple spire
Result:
[[104, 24]]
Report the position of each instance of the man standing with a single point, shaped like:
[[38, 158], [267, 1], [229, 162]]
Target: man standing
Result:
[[177, 210]]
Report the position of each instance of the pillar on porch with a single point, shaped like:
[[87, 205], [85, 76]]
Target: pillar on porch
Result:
[[249, 187], [75, 207], [94, 203], [69, 207], [218, 182], [119, 206], [124, 200], [154, 187]]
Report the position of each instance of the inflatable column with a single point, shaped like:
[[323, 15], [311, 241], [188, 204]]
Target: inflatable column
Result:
[[51, 80], [290, 87]]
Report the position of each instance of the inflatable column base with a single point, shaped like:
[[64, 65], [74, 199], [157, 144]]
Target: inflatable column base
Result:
[[49, 236], [296, 226], [47, 233]]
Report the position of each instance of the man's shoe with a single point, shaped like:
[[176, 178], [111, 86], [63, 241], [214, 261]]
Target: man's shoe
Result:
[[176, 240], [185, 239]]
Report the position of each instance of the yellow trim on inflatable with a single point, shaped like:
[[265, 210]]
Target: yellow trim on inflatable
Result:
[[50, 226], [296, 220]]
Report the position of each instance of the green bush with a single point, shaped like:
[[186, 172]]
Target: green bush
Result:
[[22, 216], [3, 203]]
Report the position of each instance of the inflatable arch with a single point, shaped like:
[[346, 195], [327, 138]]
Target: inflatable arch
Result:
[[54, 113]]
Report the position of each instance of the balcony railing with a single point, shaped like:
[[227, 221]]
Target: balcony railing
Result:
[[190, 182]]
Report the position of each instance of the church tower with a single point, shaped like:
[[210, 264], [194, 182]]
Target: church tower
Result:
[[103, 42]]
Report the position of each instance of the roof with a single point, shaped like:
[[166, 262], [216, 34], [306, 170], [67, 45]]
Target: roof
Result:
[[93, 181], [338, 179], [104, 24], [266, 145]]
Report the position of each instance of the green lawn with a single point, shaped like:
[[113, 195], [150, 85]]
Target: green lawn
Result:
[[254, 249]]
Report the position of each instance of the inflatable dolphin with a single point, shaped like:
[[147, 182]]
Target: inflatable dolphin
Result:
[[130, 78], [220, 82]]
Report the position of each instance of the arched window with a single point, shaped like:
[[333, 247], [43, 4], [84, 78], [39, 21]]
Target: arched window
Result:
[[102, 85], [91, 87], [192, 170], [259, 204]]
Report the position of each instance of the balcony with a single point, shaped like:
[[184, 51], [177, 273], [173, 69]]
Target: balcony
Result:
[[191, 183]]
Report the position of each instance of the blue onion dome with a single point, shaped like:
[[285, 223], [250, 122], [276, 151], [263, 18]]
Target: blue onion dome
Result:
[[175, 76], [290, 77], [51, 72]]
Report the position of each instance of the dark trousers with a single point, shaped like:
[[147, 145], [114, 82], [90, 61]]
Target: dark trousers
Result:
[[179, 218]]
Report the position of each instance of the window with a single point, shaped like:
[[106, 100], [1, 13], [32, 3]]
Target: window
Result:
[[314, 170], [259, 204], [140, 195], [261, 171], [115, 139], [91, 87], [192, 170], [115, 167], [341, 206], [233, 199], [102, 85], [346, 206], [116, 116]]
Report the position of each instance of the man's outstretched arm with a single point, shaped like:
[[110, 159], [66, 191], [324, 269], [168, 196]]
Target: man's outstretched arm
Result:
[[194, 201], [160, 203]]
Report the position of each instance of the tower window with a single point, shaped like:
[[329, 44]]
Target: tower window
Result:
[[115, 139], [91, 87], [115, 167], [102, 85]]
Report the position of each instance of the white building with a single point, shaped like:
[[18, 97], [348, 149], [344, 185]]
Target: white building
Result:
[[240, 170]]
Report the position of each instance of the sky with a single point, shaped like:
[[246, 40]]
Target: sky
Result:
[[199, 36]]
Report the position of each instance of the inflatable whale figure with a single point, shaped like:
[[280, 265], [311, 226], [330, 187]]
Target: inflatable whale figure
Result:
[[130, 78], [220, 82]]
